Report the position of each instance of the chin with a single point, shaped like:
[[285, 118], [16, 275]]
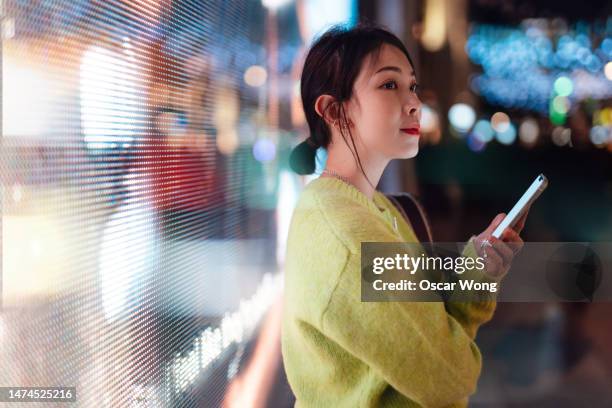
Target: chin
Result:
[[410, 153]]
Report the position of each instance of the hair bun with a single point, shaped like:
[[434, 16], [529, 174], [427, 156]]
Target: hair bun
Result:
[[302, 158]]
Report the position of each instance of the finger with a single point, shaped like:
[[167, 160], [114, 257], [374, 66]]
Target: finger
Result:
[[496, 221], [510, 235], [493, 263], [513, 240], [521, 222], [504, 251], [478, 243]]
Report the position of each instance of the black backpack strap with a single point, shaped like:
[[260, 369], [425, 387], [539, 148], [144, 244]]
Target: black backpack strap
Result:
[[413, 213]]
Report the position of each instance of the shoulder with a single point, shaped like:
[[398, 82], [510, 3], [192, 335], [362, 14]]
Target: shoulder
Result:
[[331, 205], [327, 228]]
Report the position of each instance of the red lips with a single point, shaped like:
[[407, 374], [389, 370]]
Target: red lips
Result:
[[415, 131]]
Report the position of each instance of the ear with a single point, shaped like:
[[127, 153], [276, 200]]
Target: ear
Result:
[[327, 108]]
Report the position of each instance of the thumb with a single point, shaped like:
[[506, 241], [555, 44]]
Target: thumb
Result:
[[496, 221]]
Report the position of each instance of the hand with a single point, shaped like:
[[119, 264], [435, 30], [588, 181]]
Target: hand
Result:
[[521, 222], [498, 253]]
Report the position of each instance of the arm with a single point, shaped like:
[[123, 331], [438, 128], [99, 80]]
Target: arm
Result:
[[471, 315], [421, 350]]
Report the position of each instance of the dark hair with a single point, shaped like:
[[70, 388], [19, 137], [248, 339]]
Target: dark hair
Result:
[[331, 67]]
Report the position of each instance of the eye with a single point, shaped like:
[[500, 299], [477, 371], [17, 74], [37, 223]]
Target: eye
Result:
[[414, 87], [389, 83]]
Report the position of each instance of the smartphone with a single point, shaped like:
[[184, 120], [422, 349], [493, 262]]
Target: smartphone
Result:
[[533, 192]]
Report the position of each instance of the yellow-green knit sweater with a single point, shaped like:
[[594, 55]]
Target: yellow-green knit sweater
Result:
[[341, 352]]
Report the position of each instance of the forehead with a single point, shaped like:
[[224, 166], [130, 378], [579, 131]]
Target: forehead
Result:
[[388, 56]]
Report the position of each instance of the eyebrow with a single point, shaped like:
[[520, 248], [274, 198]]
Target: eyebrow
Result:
[[392, 68]]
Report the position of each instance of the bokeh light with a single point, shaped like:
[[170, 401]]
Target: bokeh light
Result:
[[434, 33], [561, 136], [529, 131], [264, 150], [474, 144], [608, 70], [255, 76], [461, 117], [500, 122], [483, 131], [508, 136], [429, 119], [524, 66], [563, 86], [603, 117], [561, 104], [599, 135]]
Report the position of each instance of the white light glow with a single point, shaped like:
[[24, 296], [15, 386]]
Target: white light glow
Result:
[[322, 14], [287, 198], [27, 96], [127, 255], [429, 119], [461, 117], [274, 4], [608, 70], [8, 28], [109, 99], [34, 261]]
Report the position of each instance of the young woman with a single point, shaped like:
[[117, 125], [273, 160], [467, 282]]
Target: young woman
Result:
[[358, 89]]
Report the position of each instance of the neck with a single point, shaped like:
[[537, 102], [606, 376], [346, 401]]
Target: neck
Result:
[[350, 170]]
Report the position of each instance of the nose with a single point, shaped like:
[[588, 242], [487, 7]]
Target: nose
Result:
[[413, 106]]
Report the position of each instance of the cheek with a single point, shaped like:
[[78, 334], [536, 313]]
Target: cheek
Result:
[[378, 120], [385, 120], [381, 114], [382, 130]]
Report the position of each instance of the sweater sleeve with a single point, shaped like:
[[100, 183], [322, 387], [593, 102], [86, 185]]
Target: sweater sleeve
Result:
[[471, 315], [420, 349]]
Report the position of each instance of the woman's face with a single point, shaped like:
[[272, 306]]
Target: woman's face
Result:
[[384, 109]]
